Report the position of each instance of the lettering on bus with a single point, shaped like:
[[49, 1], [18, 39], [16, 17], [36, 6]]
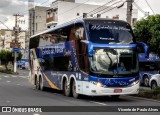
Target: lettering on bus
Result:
[[102, 27], [53, 50]]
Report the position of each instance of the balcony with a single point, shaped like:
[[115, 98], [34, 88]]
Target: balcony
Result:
[[50, 19]]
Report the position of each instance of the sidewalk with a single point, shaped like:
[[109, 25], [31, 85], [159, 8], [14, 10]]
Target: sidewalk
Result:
[[145, 88]]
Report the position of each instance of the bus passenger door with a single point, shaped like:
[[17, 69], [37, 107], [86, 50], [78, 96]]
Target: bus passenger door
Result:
[[81, 54]]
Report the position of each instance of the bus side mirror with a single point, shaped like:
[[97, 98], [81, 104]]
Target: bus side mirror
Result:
[[145, 48]]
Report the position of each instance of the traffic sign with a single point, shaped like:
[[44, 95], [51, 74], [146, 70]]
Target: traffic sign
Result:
[[16, 49]]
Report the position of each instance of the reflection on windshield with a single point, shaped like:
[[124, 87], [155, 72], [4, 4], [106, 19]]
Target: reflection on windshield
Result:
[[114, 61]]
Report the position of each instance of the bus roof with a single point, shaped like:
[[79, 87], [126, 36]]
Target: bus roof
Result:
[[73, 22]]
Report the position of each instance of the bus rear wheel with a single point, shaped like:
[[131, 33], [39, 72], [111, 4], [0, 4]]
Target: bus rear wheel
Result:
[[37, 84], [75, 94], [146, 81], [41, 87], [66, 89]]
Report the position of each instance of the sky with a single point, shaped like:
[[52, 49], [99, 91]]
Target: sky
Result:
[[10, 7]]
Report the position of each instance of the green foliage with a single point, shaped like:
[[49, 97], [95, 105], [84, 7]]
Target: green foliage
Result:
[[156, 91], [147, 93], [148, 31], [6, 57], [6, 71]]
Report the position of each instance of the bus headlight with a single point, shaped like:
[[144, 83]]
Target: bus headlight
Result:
[[98, 84], [134, 83]]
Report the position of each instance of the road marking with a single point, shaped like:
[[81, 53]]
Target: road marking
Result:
[[36, 114], [8, 81], [6, 76], [98, 103], [22, 76], [14, 76], [144, 99], [19, 84]]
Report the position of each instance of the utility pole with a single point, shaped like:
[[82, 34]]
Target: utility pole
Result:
[[129, 10], [15, 43]]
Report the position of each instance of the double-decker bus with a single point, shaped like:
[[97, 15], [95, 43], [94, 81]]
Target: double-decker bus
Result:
[[148, 67], [94, 57]]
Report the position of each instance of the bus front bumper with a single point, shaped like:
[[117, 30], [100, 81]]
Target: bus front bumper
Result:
[[91, 89]]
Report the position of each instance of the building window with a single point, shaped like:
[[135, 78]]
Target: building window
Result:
[[98, 15], [84, 15], [77, 14]]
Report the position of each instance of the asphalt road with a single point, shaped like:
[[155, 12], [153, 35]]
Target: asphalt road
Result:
[[15, 90]]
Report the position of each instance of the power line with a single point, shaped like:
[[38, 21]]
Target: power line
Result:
[[149, 6], [101, 6], [139, 8], [5, 25], [75, 7], [97, 12], [112, 7], [108, 7], [84, 3]]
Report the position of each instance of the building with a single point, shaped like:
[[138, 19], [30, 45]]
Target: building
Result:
[[62, 11], [7, 39], [37, 20]]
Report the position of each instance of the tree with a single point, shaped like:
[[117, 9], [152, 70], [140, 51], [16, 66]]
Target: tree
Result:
[[148, 31], [6, 57]]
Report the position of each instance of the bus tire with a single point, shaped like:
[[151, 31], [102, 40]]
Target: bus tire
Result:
[[66, 89], [37, 84], [42, 88], [146, 81], [75, 95], [153, 85]]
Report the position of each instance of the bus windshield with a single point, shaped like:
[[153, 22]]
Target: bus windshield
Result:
[[114, 61], [110, 32]]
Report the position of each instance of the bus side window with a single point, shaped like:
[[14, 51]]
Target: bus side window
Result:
[[62, 63], [79, 32], [62, 35]]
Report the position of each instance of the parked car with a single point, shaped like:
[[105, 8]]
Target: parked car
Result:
[[154, 82], [23, 64]]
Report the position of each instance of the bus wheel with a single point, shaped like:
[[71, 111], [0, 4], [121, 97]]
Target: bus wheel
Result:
[[37, 84], [145, 80], [66, 88], [153, 85], [75, 95], [41, 84]]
